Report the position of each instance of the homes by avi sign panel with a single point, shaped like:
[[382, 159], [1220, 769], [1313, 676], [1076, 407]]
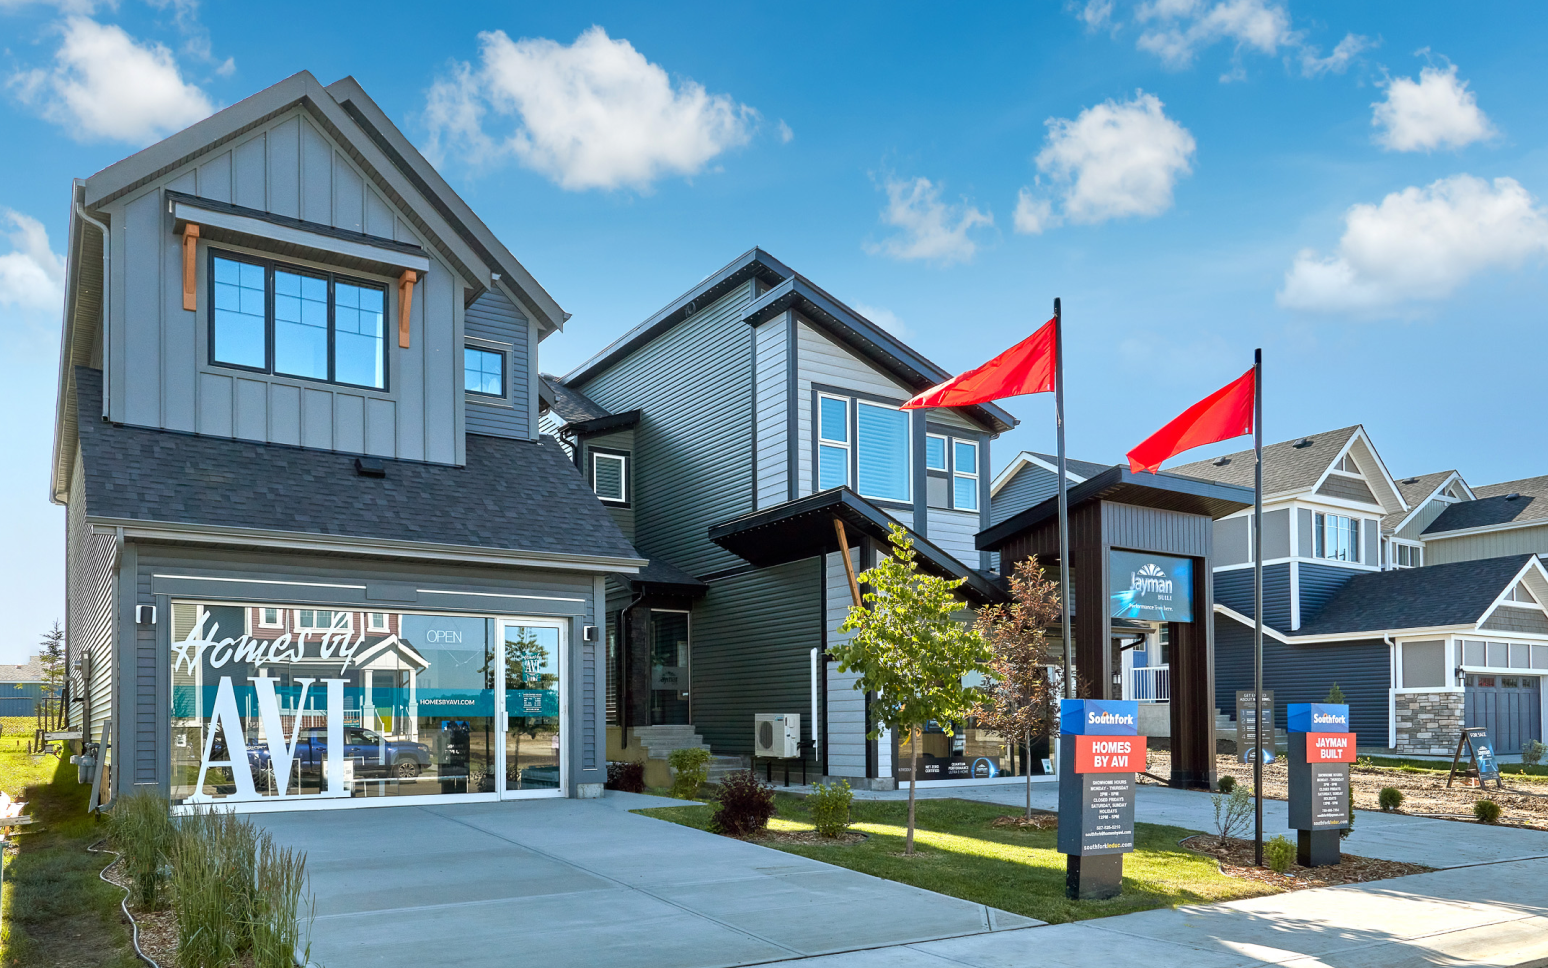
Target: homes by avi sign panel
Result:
[[1150, 588], [1099, 753]]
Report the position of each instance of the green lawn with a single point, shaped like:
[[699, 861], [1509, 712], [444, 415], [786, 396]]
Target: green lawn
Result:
[[960, 854], [55, 909]]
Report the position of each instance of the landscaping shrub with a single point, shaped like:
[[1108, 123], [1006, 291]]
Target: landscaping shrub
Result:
[[625, 777], [1487, 811], [142, 832], [829, 805], [1226, 784], [1532, 752], [1336, 695], [1279, 854], [1232, 812], [276, 931], [1390, 798], [214, 860], [745, 804], [689, 771]]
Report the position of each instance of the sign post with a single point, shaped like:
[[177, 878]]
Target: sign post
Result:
[[1249, 740], [1100, 750], [1321, 749], [1476, 739]]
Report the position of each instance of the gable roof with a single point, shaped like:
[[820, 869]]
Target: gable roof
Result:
[[1075, 471], [29, 671], [790, 290], [1418, 491], [546, 511], [1494, 507], [1302, 464], [1458, 593]]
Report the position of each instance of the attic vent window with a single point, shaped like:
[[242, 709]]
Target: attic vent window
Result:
[[1222, 461], [370, 467], [1303, 442]]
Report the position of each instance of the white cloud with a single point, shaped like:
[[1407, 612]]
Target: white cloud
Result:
[[31, 275], [930, 229], [886, 319], [104, 84], [1113, 160], [1419, 245], [785, 134], [1033, 213], [1097, 14], [1337, 62], [1183, 27], [1437, 111], [595, 114]]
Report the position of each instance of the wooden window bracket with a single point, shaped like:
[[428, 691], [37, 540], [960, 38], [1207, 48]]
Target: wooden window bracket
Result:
[[405, 303], [190, 257]]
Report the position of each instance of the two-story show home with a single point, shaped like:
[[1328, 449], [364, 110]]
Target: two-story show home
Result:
[[729, 434], [318, 552]]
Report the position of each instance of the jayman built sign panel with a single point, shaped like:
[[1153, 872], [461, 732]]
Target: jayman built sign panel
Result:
[[1151, 588]]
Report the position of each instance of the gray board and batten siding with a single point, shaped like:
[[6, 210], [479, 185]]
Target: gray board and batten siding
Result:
[[160, 356], [158, 574]]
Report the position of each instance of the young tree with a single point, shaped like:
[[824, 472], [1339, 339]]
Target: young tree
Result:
[[911, 652], [1019, 699], [52, 656]]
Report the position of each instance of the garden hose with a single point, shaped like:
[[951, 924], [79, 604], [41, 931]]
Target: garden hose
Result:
[[134, 925]]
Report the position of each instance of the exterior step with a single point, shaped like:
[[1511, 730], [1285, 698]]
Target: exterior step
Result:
[[662, 740], [719, 766]]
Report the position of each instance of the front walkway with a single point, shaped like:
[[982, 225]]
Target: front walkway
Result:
[[584, 882]]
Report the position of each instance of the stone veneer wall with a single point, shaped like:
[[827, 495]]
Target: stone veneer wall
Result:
[[1429, 722]]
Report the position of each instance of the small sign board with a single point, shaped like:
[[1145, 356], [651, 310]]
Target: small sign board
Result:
[[1099, 752], [1319, 789], [1246, 710], [1104, 803], [1152, 588], [1476, 740], [1109, 754]]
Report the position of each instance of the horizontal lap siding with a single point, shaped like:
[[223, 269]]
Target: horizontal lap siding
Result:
[[693, 443], [752, 641], [494, 317], [1233, 589], [773, 408], [823, 361], [1305, 673], [954, 533], [1029, 487], [1318, 584], [846, 705]]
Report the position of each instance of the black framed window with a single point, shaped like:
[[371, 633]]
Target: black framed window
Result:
[[297, 322], [483, 371]]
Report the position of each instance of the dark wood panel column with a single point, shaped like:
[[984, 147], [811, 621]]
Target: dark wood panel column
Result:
[[636, 698], [1088, 574], [1193, 688]]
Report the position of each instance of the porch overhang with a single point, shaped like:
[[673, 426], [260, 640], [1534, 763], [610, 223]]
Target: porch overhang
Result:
[[803, 528]]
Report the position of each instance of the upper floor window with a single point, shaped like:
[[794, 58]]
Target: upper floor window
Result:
[[1337, 537], [935, 453], [376, 621], [1520, 595], [964, 476], [322, 619], [609, 476], [483, 372], [951, 472], [1407, 556], [832, 442], [297, 322], [1347, 465], [881, 453], [270, 618]]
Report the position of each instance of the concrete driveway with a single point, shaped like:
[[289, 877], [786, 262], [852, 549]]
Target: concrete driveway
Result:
[[585, 882]]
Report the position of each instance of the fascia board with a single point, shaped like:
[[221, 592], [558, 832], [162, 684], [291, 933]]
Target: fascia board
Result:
[[136, 529], [1343, 636], [1360, 436], [1421, 504], [1534, 567], [1023, 459], [1485, 529], [190, 212], [59, 486]]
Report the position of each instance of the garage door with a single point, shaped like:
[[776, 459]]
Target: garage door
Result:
[[1509, 707]]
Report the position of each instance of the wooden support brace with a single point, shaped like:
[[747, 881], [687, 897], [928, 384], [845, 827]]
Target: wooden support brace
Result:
[[405, 303], [849, 566], [190, 257]]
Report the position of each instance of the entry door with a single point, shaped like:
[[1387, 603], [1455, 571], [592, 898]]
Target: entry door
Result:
[[671, 669], [1509, 707], [533, 707]]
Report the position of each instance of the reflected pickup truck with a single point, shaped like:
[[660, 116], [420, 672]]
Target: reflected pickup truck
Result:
[[372, 754]]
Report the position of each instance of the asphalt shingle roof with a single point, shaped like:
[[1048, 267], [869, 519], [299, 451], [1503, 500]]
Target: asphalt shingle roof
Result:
[[1286, 467], [1451, 594], [1083, 468], [1414, 491], [1494, 506], [513, 495], [29, 671], [571, 405]]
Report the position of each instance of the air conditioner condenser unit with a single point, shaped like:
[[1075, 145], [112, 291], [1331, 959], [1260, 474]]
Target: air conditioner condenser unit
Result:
[[777, 735]]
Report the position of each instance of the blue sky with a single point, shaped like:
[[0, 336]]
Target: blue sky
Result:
[[1355, 188]]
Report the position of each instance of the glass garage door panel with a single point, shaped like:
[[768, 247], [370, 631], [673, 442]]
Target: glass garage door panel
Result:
[[532, 725]]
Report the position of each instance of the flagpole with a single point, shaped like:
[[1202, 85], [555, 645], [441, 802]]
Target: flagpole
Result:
[[1064, 503], [1257, 598]]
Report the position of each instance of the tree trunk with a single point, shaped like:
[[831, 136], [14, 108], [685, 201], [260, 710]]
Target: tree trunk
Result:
[[916, 736], [1028, 765]]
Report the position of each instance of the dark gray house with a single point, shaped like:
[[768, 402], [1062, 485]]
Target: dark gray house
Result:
[[319, 554], [727, 434]]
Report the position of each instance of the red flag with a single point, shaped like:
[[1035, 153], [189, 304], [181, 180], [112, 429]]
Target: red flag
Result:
[[1027, 367], [1224, 414]]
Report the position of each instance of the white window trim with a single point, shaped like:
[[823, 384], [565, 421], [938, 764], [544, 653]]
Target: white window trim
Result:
[[348, 626], [1393, 544], [955, 473], [908, 453], [945, 450], [373, 627], [1320, 532], [623, 477], [847, 444], [279, 617]]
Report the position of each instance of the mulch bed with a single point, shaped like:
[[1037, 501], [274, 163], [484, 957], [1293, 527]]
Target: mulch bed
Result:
[[158, 929], [1236, 861], [1040, 820], [807, 837]]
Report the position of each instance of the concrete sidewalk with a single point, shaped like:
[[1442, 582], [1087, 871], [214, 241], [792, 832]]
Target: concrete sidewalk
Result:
[[1495, 914]]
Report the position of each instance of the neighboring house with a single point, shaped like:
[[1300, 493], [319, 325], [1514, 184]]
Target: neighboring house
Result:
[[726, 434], [21, 686], [1496, 519], [297, 437], [1353, 595]]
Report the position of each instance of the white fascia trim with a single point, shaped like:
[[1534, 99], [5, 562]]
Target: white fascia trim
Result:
[[365, 547], [1027, 457], [1486, 529], [1333, 562], [184, 212], [1311, 502], [1434, 495], [1345, 636], [1534, 564], [1386, 476]]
